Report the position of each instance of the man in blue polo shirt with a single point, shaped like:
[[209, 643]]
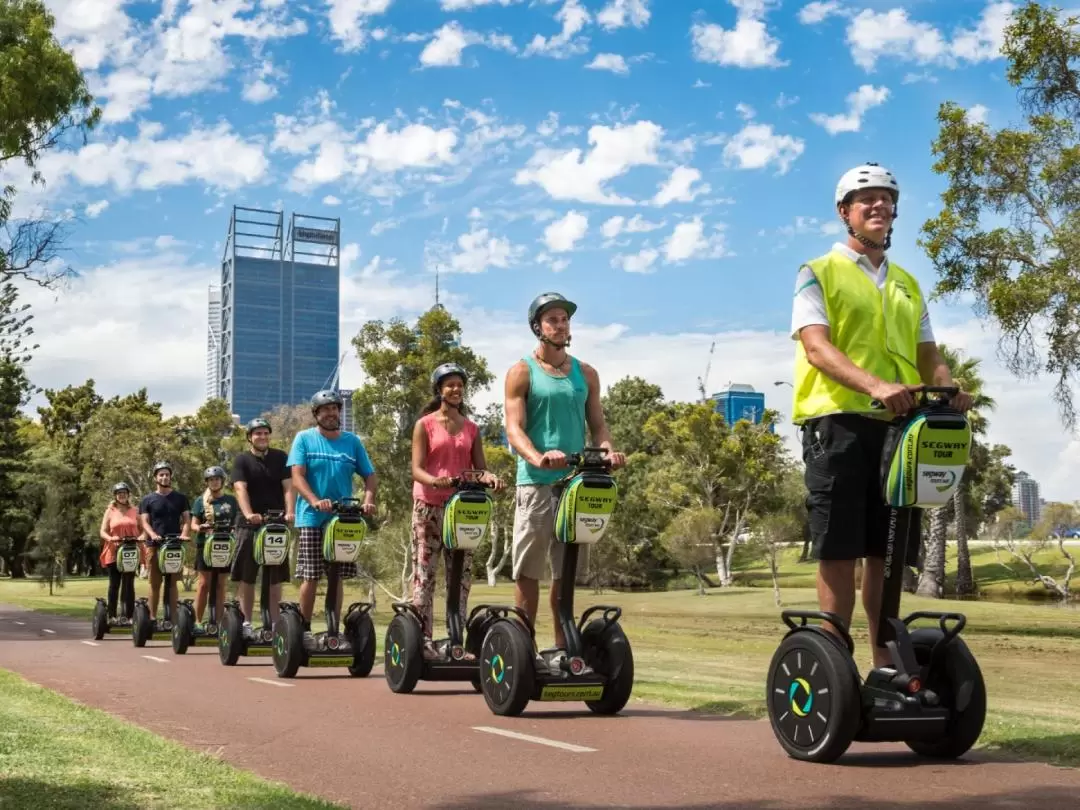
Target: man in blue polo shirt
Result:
[[323, 460]]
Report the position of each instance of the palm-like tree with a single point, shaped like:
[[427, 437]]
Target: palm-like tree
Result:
[[965, 373]]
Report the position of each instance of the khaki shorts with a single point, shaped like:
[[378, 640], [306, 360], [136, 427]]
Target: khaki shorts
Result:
[[534, 533]]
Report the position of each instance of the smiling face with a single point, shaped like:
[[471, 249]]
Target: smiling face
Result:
[[870, 212], [452, 390], [328, 417], [164, 478], [260, 439]]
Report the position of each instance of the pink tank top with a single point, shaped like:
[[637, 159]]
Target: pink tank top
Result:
[[446, 455]]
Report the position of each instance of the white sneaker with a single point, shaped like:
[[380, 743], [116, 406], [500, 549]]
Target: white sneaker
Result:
[[248, 630]]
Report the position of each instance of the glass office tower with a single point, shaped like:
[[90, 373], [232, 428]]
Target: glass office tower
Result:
[[280, 304]]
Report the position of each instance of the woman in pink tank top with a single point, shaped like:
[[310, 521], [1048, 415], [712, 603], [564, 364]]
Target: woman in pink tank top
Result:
[[445, 442]]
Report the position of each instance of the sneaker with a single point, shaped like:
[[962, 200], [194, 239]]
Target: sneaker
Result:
[[430, 653], [247, 630]]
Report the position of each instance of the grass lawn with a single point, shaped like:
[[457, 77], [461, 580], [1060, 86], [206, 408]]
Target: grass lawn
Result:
[[709, 653], [57, 753]]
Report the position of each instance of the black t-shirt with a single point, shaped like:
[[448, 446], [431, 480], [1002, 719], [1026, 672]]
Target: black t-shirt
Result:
[[165, 511], [263, 476]]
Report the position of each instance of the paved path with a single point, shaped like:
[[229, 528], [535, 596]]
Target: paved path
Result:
[[442, 748]]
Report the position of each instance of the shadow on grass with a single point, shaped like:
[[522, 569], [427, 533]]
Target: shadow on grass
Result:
[[1045, 798], [1062, 750], [82, 795]]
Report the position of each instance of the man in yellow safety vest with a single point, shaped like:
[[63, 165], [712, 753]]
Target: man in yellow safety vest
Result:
[[862, 332]]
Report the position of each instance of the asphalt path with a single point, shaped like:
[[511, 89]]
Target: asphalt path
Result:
[[353, 741]]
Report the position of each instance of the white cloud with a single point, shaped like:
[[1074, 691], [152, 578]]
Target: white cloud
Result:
[[688, 241], [348, 18], [476, 251], [469, 5], [96, 209], [619, 13], [876, 35], [865, 98], [331, 200], [677, 188], [813, 13], [745, 111], [755, 146], [749, 44], [613, 226], [445, 49], [976, 114], [567, 175], [640, 262], [562, 234], [609, 61], [574, 18]]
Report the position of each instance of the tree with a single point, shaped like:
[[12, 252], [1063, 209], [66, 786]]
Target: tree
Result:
[[43, 99], [1055, 519], [1009, 231], [691, 539], [50, 491], [15, 393], [628, 403]]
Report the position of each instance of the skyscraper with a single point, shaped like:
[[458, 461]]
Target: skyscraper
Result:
[[213, 343], [1025, 497], [280, 304]]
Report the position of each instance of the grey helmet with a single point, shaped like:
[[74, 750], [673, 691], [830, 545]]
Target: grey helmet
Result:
[[213, 472], [545, 301], [121, 486], [445, 370], [162, 465], [256, 423], [326, 397]]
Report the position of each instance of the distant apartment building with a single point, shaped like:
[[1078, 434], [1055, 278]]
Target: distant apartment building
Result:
[[213, 343], [1025, 497]]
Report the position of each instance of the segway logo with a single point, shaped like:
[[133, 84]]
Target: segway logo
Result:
[[941, 480], [593, 523], [801, 698], [471, 532]]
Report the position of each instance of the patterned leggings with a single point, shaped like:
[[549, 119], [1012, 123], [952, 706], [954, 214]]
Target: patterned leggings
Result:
[[427, 543]]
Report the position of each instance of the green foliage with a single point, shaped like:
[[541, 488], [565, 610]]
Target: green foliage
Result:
[[15, 392], [1009, 229]]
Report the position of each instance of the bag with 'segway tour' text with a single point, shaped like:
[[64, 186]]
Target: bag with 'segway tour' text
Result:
[[924, 458]]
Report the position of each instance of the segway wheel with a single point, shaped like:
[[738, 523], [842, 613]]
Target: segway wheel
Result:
[[231, 637], [608, 652], [181, 630], [99, 624], [288, 644], [507, 674], [403, 654], [813, 697], [958, 683], [474, 639], [361, 630], [142, 625]]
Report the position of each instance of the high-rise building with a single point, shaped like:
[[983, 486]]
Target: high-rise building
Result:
[[213, 343], [740, 401], [1025, 497], [347, 422], [280, 305]]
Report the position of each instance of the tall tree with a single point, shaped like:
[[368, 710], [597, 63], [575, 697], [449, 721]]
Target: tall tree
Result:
[[1009, 229], [43, 100]]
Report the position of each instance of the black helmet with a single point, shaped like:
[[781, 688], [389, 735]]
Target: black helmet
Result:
[[445, 370], [256, 423], [162, 465], [326, 397], [121, 487], [213, 472], [545, 301]]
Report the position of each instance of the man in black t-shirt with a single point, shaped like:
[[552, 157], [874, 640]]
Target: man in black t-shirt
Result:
[[163, 512], [262, 482]]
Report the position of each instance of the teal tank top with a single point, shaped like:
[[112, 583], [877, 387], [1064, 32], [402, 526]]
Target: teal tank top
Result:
[[554, 418]]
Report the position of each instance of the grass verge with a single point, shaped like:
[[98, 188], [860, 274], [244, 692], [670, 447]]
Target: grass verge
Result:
[[57, 753]]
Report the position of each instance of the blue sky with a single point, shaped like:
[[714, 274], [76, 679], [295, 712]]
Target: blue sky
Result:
[[667, 164]]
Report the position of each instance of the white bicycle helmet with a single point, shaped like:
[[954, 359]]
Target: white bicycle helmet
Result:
[[869, 175]]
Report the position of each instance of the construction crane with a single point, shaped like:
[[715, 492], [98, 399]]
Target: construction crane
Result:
[[703, 381], [332, 381]]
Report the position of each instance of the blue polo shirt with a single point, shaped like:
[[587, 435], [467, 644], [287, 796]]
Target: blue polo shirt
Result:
[[329, 467]]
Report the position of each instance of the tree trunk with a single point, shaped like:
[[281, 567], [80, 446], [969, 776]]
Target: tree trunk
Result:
[[498, 533], [700, 580], [774, 570], [932, 580], [965, 581]]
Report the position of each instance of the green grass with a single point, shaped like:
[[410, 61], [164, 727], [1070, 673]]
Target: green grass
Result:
[[59, 754], [710, 653]]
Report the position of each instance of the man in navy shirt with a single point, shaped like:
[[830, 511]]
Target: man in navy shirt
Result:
[[163, 512]]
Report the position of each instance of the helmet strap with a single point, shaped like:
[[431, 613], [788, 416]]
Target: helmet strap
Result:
[[865, 240], [544, 339]]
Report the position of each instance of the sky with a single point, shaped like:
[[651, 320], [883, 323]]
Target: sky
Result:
[[667, 165]]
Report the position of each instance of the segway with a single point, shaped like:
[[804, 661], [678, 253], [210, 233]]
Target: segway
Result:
[[127, 563], [466, 519], [170, 561], [271, 549], [932, 696], [354, 648], [598, 667], [217, 553]]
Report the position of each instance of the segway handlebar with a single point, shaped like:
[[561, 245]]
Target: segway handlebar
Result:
[[470, 479], [352, 507], [949, 392], [596, 457]]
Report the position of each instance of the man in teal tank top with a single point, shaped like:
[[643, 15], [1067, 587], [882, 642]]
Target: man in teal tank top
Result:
[[552, 401]]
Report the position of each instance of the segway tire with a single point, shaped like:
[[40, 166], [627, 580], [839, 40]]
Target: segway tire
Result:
[[361, 631], [815, 711], [100, 622], [181, 630], [507, 669], [403, 653], [956, 679], [231, 637], [288, 643], [607, 651], [142, 625]]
